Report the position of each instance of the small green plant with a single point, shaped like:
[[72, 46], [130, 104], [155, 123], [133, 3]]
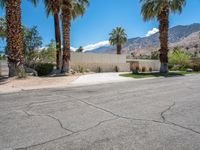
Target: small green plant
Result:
[[44, 69], [144, 69], [178, 60], [21, 73], [80, 69]]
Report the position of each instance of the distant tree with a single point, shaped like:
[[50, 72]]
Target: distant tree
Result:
[[3, 32], [2, 28], [48, 55], [118, 38], [80, 49], [161, 9], [155, 55], [32, 42]]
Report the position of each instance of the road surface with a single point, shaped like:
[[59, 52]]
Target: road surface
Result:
[[154, 114]]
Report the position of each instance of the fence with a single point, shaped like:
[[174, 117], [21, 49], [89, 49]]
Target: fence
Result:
[[99, 62], [3, 68]]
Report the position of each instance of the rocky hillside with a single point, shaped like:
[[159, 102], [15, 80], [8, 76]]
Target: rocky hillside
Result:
[[183, 36]]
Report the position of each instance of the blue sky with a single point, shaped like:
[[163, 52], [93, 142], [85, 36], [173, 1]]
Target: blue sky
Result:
[[101, 17]]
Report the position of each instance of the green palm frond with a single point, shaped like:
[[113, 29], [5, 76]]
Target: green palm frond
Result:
[[152, 8], [118, 36], [2, 3]]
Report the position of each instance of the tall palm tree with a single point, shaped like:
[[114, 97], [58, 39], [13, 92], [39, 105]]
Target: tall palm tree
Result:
[[70, 10], [14, 35], [118, 37], [53, 7], [161, 9]]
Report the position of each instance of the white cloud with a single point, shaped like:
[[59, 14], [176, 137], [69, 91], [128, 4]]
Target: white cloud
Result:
[[93, 46], [73, 49], [151, 32], [87, 47], [96, 45]]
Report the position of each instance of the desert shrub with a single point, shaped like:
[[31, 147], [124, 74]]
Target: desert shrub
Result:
[[179, 67], [155, 55], [178, 59], [194, 66], [2, 57], [144, 69], [150, 69], [80, 69], [21, 73], [44, 69]]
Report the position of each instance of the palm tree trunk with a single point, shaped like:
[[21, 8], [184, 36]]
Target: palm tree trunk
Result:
[[163, 28], [66, 24], [119, 49], [58, 39], [14, 37]]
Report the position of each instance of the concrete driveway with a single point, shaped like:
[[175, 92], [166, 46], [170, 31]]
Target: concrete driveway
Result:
[[154, 114], [100, 78]]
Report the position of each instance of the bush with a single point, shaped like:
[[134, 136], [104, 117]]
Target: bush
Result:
[[194, 66], [44, 69], [144, 69], [80, 69], [178, 60], [179, 67], [21, 73]]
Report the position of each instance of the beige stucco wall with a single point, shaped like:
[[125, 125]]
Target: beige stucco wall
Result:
[[154, 64], [99, 62], [3, 68]]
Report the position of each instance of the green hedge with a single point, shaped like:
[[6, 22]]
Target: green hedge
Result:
[[44, 69]]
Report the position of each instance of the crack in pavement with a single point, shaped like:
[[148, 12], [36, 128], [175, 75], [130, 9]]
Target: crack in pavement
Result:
[[165, 111], [172, 123], [137, 119], [116, 116], [49, 116], [67, 135]]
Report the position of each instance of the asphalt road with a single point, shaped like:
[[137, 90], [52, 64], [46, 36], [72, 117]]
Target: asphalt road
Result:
[[154, 114]]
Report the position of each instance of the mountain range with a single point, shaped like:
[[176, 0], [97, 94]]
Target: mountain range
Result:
[[184, 36]]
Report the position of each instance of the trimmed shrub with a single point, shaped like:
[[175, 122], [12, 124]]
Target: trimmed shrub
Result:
[[144, 69], [150, 69], [99, 70], [44, 69], [116, 69]]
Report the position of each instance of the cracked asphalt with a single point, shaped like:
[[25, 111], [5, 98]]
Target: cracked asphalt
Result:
[[153, 114]]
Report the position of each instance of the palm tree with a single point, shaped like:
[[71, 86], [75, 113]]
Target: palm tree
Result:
[[80, 49], [118, 37], [70, 10], [53, 7], [14, 35], [161, 9]]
